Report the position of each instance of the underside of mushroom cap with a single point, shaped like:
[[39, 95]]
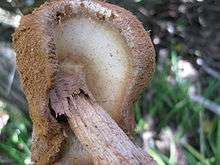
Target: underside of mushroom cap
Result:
[[104, 56], [110, 44]]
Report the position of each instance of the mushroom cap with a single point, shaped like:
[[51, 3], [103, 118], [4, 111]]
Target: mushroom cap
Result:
[[115, 51]]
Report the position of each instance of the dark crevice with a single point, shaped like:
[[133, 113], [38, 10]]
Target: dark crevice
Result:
[[59, 16], [62, 119], [85, 94], [68, 100]]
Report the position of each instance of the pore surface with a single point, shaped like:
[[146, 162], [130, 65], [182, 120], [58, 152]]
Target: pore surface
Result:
[[103, 54]]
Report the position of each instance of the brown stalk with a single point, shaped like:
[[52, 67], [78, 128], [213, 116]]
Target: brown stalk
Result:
[[102, 138]]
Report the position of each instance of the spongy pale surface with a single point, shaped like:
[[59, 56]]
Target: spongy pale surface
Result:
[[102, 52]]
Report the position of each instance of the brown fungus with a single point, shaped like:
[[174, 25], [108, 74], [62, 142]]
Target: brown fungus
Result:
[[105, 41]]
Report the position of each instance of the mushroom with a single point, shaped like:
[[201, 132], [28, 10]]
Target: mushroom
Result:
[[89, 48]]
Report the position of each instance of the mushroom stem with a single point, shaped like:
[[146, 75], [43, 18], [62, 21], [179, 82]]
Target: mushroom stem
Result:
[[100, 135], [94, 128]]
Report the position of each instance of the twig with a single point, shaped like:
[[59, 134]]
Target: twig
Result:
[[209, 70], [205, 102], [9, 18]]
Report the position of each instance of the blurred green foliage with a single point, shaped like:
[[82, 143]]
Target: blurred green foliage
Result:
[[15, 136], [195, 130]]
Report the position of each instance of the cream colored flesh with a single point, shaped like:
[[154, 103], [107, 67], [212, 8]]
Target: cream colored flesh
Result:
[[101, 51]]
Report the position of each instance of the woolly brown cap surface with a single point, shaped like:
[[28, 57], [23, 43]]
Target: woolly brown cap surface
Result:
[[38, 65]]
